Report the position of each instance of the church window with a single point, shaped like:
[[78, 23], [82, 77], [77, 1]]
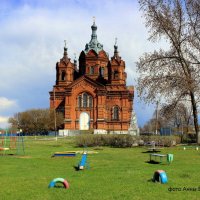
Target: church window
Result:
[[79, 101], [90, 101], [102, 71], [62, 76], [92, 70], [115, 115], [85, 100], [116, 74], [85, 97]]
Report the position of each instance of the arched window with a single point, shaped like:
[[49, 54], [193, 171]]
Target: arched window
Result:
[[85, 100], [92, 70], [63, 76], [115, 115]]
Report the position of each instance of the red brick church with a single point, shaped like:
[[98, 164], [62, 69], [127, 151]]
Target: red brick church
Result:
[[93, 94]]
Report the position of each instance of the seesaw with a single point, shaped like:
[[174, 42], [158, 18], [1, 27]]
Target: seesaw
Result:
[[65, 154]]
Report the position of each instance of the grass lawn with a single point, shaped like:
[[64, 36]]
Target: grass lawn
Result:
[[114, 174]]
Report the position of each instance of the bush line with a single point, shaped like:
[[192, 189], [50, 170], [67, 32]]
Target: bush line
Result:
[[124, 140]]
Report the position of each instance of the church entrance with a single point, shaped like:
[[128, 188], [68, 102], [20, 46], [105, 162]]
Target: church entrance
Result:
[[84, 121]]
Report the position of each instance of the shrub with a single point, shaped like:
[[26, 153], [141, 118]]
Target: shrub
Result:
[[121, 141], [104, 140], [85, 140], [162, 140], [189, 138]]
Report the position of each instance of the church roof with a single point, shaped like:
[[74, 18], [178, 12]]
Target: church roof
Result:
[[87, 79]]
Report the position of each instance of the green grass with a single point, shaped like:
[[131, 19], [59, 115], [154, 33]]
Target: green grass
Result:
[[114, 174]]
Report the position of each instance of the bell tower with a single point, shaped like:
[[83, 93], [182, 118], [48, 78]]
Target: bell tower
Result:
[[117, 74], [64, 70]]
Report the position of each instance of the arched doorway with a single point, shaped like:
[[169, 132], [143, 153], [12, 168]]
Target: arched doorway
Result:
[[84, 121]]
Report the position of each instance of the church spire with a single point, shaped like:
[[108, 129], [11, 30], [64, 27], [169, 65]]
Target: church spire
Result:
[[93, 44], [94, 29], [65, 51], [75, 61], [116, 53]]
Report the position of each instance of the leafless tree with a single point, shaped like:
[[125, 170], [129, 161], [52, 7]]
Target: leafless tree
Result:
[[178, 116], [155, 123], [172, 73]]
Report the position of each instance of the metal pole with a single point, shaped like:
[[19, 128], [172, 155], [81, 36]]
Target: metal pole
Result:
[[54, 113], [156, 117]]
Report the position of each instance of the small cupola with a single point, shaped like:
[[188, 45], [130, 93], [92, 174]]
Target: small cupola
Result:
[[116, 52]]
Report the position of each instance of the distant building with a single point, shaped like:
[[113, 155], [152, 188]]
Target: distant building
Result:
[[93, 96]]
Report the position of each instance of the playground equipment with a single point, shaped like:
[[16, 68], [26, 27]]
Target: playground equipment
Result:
[[58, 180], [7, 142], [160, 176], [153, 146], [83, 163], [65, 154], [20, 145], [169, 157], [10, 141]]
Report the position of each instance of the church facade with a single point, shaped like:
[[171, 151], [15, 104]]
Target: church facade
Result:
[[93, 94]]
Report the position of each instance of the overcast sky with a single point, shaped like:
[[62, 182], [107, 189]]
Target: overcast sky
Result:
[[32, 38]]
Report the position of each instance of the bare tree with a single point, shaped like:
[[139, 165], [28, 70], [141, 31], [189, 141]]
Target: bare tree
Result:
[[173, 73], [178, 116], [155, 123]]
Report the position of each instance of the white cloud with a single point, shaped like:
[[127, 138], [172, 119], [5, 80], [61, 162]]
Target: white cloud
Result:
[[6, 103], [8, 107], [3, 122]]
